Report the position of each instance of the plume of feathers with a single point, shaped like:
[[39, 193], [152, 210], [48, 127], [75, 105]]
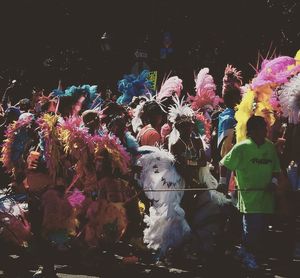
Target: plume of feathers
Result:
[[275, 71], [179, 109], [176, 112], [169, 87], [137, 113], [289, 98], [205, 91], [74, 136], [232, 77], [134, 86]]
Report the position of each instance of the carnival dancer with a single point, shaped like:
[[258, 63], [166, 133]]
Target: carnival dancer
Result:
[[187, 147], [152, 115], [231, 94]]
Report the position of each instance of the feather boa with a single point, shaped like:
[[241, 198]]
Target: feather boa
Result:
[[50, 145], [203, 126], [119, 157], [17, 136], [75, 137], [205, 91]]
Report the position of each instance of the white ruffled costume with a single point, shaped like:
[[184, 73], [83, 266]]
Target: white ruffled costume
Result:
[[166, 224]]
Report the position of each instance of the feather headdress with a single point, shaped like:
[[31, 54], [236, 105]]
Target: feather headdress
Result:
[[205, 91], [289, 99], [232, 78], [134, 86], [137, 113], [171, 86], [177, 112], [275, 71]]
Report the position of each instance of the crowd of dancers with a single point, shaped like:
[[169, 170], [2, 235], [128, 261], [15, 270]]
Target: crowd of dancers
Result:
[[175, 169]]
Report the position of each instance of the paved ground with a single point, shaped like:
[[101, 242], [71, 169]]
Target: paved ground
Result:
[[112, 264]]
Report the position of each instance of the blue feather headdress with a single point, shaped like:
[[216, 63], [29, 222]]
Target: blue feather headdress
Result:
[[134, 86], [90, 91]]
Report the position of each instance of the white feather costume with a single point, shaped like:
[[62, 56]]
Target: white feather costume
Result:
[[289, 98], [166, 224]]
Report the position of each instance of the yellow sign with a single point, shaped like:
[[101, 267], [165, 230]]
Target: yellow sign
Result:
[[153, 77]]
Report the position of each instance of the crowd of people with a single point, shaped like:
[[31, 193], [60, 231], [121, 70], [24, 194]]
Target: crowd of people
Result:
[[188, 173]]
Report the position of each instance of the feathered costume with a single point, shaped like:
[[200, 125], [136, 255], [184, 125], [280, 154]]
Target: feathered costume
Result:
[[177, 111], [17, 138], [166, 224], [134, 86], [49, 143], [289, 99], [256, 101]]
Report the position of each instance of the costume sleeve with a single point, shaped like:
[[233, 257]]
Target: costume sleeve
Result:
[[227, 143], [233, 159]]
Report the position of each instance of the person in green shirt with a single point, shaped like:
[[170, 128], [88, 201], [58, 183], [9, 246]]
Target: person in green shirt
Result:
[[256, 167]]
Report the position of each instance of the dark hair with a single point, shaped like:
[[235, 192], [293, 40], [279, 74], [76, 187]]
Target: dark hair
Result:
[[255, 122], [111, 110], [90, 116], [24, 104], [119, 120], [65, 105], [151, 108], [232, 96]]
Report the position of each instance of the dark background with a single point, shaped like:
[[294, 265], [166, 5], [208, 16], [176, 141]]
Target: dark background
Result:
[[43, 41]]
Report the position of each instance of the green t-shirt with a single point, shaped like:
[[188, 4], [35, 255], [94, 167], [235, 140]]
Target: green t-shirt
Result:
[[254, 166]]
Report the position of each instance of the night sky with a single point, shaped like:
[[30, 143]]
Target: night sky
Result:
[[43, 41]]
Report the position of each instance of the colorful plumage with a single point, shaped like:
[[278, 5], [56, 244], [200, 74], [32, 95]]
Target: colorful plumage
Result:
[[119, 157], [275, 71], [171, 86], [50, 146], [17, 137], [205, 91], [134, 86]]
